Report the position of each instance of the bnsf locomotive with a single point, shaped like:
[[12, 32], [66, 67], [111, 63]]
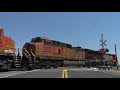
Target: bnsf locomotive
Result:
[[43, 52], [7, 51]]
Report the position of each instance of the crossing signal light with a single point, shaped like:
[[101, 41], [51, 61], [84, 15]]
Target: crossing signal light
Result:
[[107, 50], [101, 50]]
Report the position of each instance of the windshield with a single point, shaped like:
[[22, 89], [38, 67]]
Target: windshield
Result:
[[38, 39]]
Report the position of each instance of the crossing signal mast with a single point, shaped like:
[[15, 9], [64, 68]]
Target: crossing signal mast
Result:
[[103, 49]]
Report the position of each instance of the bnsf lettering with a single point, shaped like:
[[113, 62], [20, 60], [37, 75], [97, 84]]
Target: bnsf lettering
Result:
[[46, 49]]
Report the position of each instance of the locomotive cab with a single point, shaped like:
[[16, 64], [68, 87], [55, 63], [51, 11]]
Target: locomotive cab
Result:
[[7, 49]]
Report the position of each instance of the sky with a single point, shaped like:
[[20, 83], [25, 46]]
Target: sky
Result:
[[76, 28]]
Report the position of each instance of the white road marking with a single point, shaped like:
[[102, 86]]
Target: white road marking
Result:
[[8, 74], [84, 69], [109, 73], [95, 69], [13, 73]]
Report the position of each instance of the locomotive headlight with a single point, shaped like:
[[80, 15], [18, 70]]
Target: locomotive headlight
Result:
[[9, 51]]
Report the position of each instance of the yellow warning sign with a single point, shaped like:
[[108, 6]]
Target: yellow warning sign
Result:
[[65, 73]]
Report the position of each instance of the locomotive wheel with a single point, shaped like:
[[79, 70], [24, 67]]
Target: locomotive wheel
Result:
[[47, 67], [40, 67], [0, 69], [30, 68], [55, 66]]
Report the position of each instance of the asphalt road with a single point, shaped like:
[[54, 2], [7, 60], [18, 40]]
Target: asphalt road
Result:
[[61, 73]]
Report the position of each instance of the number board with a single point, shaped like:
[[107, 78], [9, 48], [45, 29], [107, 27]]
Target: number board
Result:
[[9, 46]]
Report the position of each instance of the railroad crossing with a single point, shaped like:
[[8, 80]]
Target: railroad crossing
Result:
[[64, 72]]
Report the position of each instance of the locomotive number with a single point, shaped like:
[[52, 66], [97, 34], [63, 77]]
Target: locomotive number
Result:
[[9, 46]]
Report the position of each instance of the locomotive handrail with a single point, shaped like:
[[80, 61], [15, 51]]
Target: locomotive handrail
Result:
[[32, 53], [18, 53], [15, 52], [26, 52]]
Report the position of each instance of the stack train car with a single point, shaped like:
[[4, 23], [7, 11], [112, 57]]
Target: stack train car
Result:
[[42, 52]]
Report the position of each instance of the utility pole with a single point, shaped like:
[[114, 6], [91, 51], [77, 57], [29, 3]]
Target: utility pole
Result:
[[116, 56]]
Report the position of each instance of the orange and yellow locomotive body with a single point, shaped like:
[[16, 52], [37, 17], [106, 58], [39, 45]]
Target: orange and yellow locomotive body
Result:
[[7, 45], [7, 51], [51, 51]]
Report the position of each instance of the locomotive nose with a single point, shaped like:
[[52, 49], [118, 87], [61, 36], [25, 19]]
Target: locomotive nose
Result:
[[26, 45], [28, 48]]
